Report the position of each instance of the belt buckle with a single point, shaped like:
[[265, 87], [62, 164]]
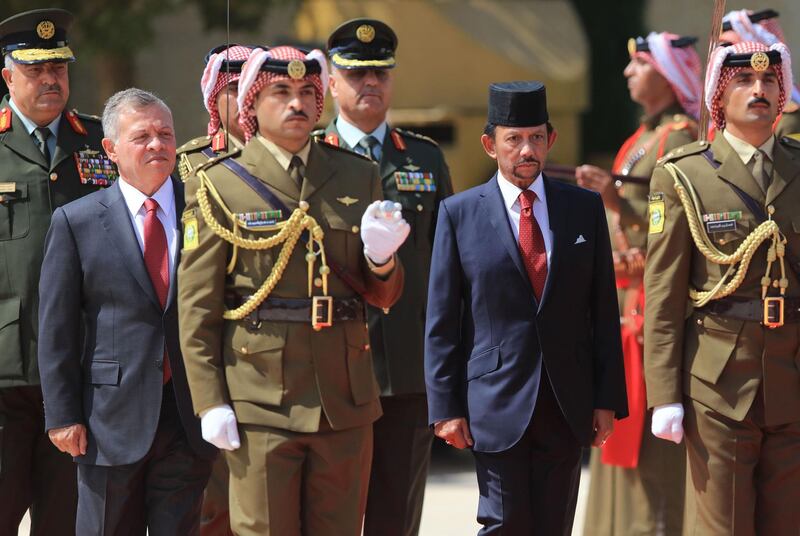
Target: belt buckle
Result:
[[321, 312], [773, 312]]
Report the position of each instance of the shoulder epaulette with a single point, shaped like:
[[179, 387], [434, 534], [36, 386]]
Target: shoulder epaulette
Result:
[[412, 134], [87, 117], [76, 123], [791, 107], [324, 143], [696, 147], [5, 119], [792, 140], [212, 161], [319, 133], [196, 144]]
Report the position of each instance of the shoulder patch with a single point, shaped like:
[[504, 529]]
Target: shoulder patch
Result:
[[327, 145], [414, 135], [196, 144]]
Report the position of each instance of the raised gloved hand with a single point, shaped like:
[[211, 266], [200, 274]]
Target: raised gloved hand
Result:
[[218, 426], [383, 230], [668, 422]]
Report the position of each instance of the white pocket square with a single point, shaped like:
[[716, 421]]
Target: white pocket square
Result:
[[580, 239]]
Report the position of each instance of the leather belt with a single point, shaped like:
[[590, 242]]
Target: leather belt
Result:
[[319, 311], [771, 311]]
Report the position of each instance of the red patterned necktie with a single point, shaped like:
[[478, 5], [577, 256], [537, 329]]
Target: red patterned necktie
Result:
[[157, 261], [531, 244]]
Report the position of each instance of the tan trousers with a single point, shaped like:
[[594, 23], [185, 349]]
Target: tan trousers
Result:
[[746, 475], [299, 484], [215, 519]]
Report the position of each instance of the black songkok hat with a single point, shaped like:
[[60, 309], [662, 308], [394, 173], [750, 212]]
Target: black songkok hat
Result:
[[517, 104], [362, 44]]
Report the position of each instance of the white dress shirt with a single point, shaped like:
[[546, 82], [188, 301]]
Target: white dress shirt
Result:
[[510, 194], [351, 134], [165, 197]]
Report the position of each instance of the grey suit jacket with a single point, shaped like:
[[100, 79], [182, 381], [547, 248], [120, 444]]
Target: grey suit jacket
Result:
[[103, 333]]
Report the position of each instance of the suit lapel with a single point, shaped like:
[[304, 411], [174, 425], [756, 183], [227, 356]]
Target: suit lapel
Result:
[[18, 140], [180, 204], [117, 223], [495, 210], [557, 216], [67, 142], [733, 170], [318, 171], [785, 170], [260, 163]]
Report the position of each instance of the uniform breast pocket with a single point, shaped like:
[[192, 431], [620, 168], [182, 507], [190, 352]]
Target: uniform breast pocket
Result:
[[418, 212], [254, 363], [14, 213], [731, 238], [344, 234]]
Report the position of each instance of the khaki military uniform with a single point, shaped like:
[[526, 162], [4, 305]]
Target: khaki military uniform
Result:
[[402, 438], [215, 515], [305, 399], [789, 123], [649, 497], [739, 381], [33, 473]]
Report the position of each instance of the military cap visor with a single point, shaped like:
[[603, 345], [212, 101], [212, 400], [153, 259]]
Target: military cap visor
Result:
[[640, 44], [37, 36], [362, 44], [755, 17]]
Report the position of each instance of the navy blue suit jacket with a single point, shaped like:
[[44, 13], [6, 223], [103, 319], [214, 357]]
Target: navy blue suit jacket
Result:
[[102, 332], [487, 336]]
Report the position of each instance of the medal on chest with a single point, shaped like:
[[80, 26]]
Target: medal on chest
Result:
[[95, 168]]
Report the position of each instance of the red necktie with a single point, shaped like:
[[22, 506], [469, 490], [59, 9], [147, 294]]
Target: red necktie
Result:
[[157, 261], [531, 244]]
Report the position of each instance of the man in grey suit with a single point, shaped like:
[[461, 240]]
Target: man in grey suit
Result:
[[114, 385]]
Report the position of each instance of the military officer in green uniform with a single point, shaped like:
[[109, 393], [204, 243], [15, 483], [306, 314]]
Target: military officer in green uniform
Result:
[[763, 27], [219, 85], [722, 281], [284, 242], [413, 173], [49, 156], [637, 481]]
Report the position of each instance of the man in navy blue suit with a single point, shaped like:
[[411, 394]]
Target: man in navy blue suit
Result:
[[523, 361]]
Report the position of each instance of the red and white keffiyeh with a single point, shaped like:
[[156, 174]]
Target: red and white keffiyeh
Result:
[[215, 78], [767, 32], [253, 80], [718, 76], [680, 66]]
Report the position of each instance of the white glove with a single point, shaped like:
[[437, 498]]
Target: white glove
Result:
[[667, 422], [218, 426], [383, 230]]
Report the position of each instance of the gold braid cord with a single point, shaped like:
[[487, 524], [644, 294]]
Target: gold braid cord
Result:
[[288, 234], [739, 260]]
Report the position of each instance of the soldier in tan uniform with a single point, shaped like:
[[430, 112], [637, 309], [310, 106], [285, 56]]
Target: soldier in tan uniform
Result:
[[637, 481], [723, 294], [284, 242], [220, 88], [763, 27], [219, 85]]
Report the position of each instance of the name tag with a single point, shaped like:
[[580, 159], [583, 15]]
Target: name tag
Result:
[[721, 226], [8, 187]]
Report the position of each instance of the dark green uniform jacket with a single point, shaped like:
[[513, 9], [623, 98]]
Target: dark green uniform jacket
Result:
[[30, 192]]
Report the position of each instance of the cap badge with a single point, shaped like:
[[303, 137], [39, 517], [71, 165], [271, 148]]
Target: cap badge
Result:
[[365, 33], [759, 62], [631, 46], [46, 29], [296, 69]]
